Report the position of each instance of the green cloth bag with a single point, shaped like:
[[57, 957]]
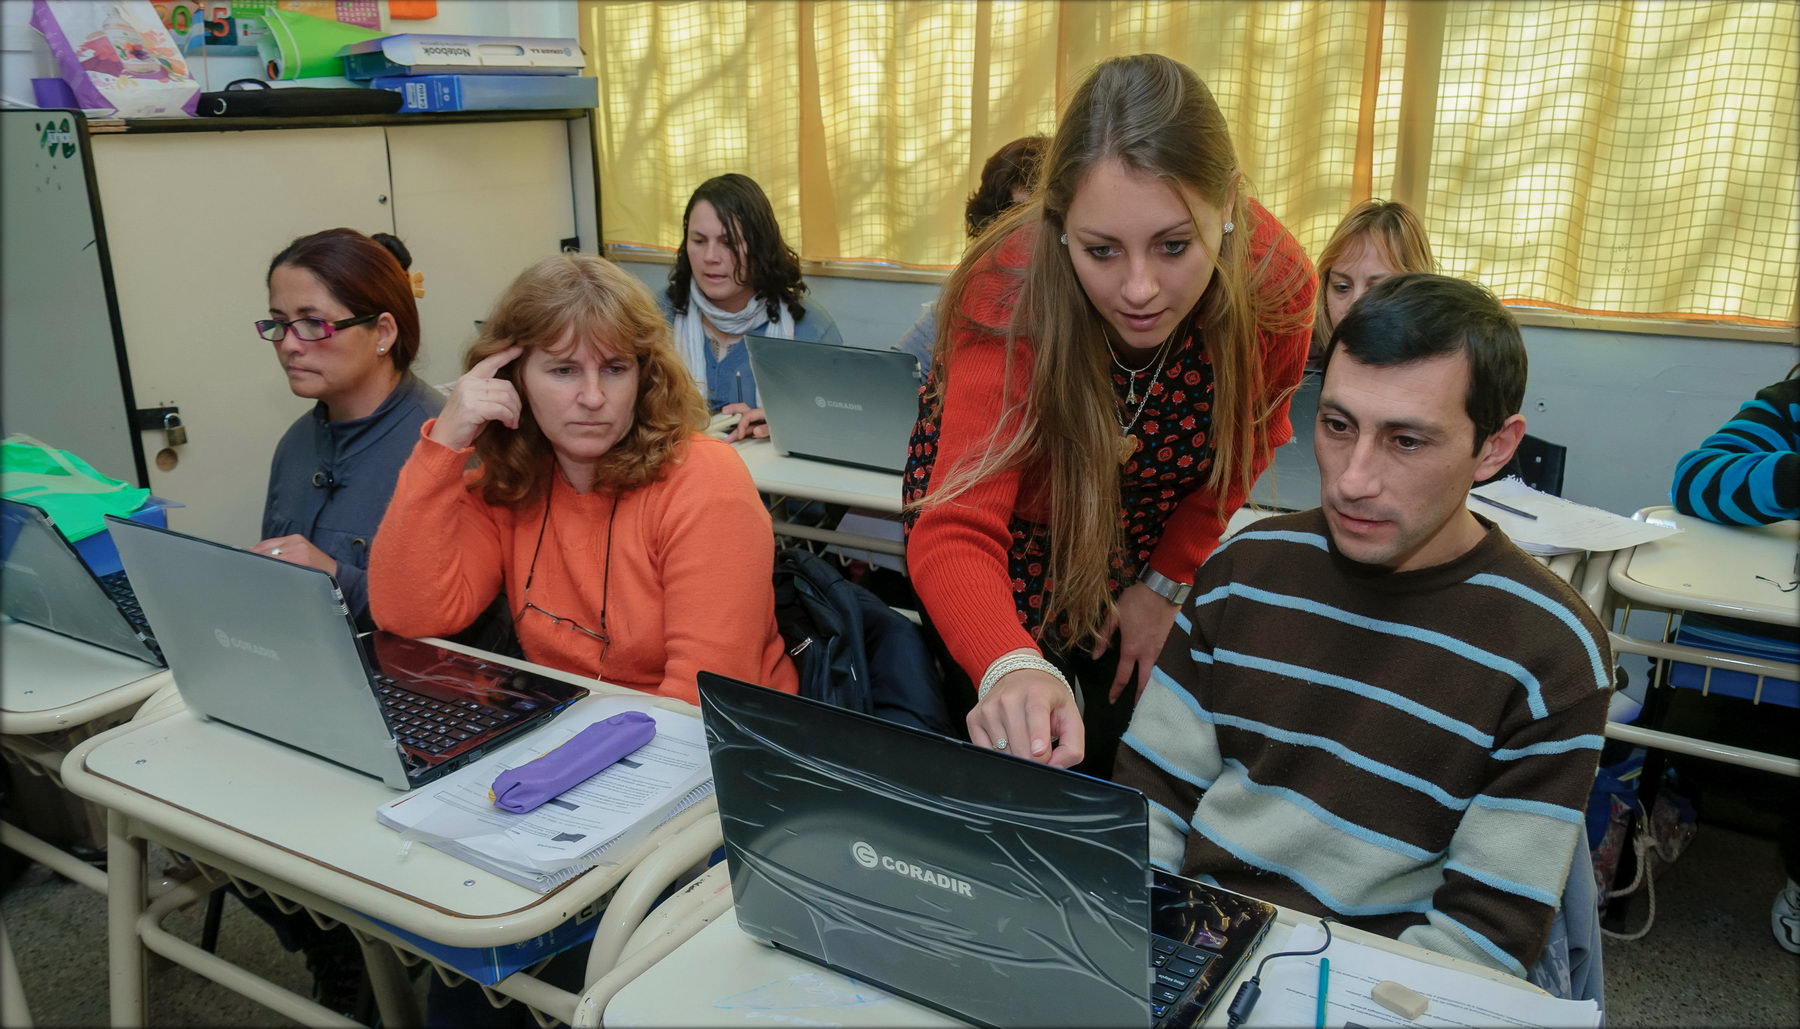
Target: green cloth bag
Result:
[[77, 497]]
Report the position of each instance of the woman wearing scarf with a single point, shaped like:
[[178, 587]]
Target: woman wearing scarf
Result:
[[734, 277]]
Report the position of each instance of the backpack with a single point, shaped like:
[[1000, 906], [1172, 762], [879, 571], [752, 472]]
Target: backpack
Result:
[[850, 649]]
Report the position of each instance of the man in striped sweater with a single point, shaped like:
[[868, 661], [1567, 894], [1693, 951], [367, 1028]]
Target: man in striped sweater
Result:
[[1382, 709]]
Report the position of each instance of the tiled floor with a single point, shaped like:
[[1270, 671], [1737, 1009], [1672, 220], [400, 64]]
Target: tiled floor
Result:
[[1709, 960]]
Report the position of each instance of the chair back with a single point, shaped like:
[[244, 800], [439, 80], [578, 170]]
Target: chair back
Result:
[[1538, 462]]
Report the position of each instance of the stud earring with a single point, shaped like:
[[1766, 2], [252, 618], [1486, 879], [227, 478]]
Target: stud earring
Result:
[[1229, 226], [1063, 239], [381, 350]]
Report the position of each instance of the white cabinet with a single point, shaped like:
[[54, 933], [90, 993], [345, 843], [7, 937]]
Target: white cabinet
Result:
[[475, 212], [192, 219]]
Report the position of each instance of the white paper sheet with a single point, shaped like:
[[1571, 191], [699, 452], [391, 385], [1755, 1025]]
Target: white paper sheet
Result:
[[565, 830], [1561, 526], [1290, 991]]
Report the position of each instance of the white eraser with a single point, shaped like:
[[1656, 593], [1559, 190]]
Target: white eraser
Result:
[[1408, 1004]]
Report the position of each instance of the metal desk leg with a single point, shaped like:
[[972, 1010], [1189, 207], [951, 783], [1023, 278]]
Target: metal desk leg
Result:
[[394, 996], [12, 991], [124, 903]]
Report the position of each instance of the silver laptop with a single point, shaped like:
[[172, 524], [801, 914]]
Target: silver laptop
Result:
[[270, 647], [837, 403], [46, 583]]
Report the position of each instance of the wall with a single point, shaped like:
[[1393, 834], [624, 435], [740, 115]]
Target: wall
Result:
[[19, 59], [1627, 405], [21, 51]]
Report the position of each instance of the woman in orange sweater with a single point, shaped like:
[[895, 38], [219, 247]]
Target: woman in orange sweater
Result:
[[629, 547], [1113, 364]]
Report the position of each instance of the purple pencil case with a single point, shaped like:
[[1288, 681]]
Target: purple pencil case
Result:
[[528, 786]]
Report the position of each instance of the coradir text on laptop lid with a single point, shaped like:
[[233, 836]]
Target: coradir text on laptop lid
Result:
[[271, 648]]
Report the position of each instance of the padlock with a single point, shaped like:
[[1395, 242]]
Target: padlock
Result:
[[173, 431]]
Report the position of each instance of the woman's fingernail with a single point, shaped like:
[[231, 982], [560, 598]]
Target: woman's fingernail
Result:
[[1037, 746]]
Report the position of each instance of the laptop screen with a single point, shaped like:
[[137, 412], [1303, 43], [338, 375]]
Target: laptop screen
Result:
[[46, 584], [999, 891], [837, 403]]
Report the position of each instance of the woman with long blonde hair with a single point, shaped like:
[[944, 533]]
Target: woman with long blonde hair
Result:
[[629, 547], [1376, 240], [1112, 368]]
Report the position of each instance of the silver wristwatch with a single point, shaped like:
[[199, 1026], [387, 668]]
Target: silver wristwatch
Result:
[[1174, 592]]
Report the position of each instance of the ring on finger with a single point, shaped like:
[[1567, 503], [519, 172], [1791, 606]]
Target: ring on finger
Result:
[[275, 551], [1000, 743]]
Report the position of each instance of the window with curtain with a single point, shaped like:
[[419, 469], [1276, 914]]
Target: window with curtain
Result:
[[1624, 158]]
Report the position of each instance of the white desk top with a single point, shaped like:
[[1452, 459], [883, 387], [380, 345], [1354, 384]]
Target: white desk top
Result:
[[307, 822], [50, 682], [1714, 568], [746, 982], [721, 977], [819, 480]]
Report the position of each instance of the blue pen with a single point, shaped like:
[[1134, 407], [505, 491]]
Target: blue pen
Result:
[[1324, 984]]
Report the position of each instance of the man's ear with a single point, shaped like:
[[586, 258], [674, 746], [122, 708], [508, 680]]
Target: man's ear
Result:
[[1499, 447]]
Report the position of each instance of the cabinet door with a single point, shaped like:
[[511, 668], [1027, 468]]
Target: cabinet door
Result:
[[193, 219], [476, 204], [59, 372]]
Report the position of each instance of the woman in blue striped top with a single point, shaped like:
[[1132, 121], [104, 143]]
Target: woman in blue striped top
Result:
[[1748, 472]]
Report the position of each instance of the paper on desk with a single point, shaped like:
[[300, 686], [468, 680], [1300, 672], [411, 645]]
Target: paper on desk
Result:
[[567, 831], [1562, 526], [1290, 991]]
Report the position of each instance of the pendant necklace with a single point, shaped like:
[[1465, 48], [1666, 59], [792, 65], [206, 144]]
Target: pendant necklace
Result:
[[1131, 374], [1128, 443]]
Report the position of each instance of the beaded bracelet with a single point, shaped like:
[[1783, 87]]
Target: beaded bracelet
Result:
[[1009, 663]]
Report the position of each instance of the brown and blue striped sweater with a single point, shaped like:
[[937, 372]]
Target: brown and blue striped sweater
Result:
[[1409, 751]]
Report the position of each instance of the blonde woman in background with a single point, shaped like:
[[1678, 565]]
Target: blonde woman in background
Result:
[[1376, 240]]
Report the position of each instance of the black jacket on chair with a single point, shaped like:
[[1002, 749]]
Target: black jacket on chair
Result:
[[850, 649]]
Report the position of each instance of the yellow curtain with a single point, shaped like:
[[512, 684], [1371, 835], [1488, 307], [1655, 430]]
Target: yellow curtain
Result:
[[1614, 157], [868, 122], [1638, 158]]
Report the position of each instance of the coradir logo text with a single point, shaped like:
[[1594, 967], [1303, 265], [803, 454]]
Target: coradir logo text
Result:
[[230, 642], [868, 857]]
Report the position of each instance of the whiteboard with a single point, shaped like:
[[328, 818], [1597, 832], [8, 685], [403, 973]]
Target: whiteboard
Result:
[[61, 378]]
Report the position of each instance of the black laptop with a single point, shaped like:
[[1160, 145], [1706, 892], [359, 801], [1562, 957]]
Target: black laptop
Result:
[[46, 583], [1002, 892], [271, 647]]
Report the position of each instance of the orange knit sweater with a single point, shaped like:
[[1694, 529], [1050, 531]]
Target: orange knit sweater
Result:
[[692, 555]]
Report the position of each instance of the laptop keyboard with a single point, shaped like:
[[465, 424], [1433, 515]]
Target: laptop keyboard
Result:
[[1173, 966], [118, 587], [431, 725]]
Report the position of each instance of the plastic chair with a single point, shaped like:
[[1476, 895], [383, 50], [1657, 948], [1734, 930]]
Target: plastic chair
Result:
[[1539, 463], [666, 927]]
